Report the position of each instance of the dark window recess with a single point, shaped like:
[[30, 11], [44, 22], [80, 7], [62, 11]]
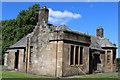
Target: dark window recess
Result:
[[114, 56], [24, 57], [76, 55], [72, 55], [31, 51], [108, 56], [81, 55], [16, 59]]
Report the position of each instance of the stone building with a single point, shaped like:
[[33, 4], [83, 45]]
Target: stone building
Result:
[[58, 51]]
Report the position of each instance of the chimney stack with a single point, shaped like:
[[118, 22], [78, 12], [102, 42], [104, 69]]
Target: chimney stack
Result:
[[43, 15], [100, 32]]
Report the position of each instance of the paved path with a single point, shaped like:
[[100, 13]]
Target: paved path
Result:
[[3, 69]]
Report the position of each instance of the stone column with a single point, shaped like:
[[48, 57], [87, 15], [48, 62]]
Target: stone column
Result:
[[5, 59], [111, 60], [74, 55], [59, 58]]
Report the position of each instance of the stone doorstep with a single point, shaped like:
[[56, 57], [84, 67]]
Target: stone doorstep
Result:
[[97, 71]]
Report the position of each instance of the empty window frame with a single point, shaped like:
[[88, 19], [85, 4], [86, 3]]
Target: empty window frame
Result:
[[72, 55], [108, 56], [81, 55], [31, 51], [76, 55], [24, 56]]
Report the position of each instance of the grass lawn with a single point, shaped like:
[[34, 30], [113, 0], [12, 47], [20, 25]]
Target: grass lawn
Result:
[[19, 75], [11, 74], [1, 66], [100, 75], [7, 75]]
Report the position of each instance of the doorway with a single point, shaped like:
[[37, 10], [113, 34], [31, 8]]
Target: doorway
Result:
[[16, 59], [96, 61], [90, 62]]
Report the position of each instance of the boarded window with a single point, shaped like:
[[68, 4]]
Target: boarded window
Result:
[[108, 56], [81, 55], [31, 51], [72, 55], [76, 55]]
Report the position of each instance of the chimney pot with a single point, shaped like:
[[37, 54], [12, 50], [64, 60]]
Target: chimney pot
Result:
[[43, 7]]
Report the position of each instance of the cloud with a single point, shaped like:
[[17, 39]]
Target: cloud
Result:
[[59, 17]]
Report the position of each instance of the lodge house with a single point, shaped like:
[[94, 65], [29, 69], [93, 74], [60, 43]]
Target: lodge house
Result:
[[58, 51]]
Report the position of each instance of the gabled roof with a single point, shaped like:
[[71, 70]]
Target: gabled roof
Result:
[[98, 43], [105, 43], [21, 43], [94, 43], [64, 27], [58, 28]]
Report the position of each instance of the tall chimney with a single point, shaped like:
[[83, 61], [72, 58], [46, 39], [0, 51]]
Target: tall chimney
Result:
[[100, 32], [43, 15]]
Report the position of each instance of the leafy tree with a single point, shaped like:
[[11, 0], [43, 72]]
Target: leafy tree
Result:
[[118, 61], [28, 17], [14, 29]]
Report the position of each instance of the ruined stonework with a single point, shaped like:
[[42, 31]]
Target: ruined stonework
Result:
[[58, 51]]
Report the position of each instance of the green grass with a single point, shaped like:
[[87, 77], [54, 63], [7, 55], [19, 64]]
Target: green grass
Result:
[[1, 66], [101, 75], [7, 75], [11, 74]]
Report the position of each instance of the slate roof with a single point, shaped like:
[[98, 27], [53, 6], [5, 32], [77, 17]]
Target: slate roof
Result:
[[21, 43], [105, 43], [95, 43], [59, 28], [98, 43], [64, 27]]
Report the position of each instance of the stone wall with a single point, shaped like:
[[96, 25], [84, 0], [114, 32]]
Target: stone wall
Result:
[[59, 57], [22, 63], [110, 67], [68, 69], [48, 52], [102, 64], [43, 55], [71, 36], [11, 59], [45, 62]]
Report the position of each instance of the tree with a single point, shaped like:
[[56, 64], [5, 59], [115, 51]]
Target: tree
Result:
[[14, 29], [118, 61]]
